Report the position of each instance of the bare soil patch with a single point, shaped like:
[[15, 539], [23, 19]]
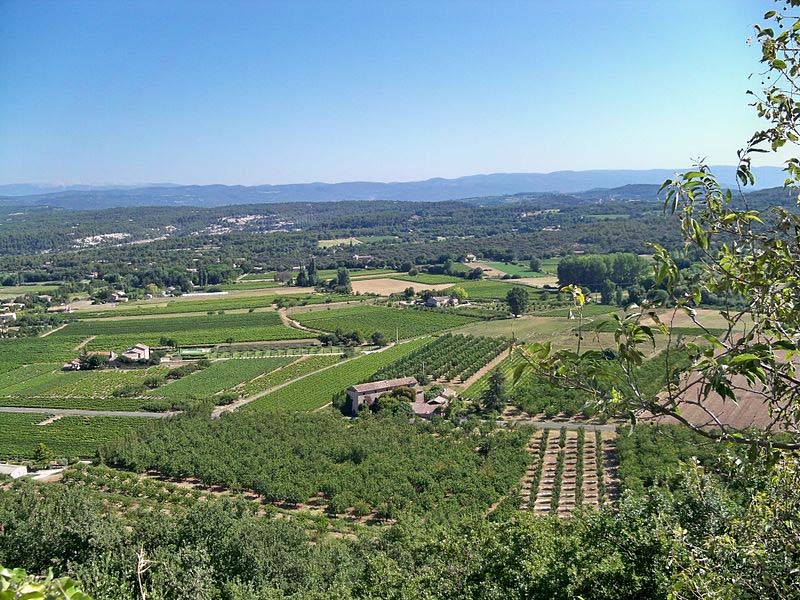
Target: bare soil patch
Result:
[[386, 286]]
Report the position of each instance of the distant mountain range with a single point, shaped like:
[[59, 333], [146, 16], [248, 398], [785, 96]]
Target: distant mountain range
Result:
[[626, 184]]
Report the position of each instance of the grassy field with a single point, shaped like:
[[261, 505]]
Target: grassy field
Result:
[[317, 390], [390, 321], [515, 269], [428, 278], [187, 331], [338, 242], [491, 289], [11, 291], [67, 437], [249, 285]]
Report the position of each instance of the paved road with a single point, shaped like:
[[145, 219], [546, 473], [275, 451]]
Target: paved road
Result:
[[86, 413]]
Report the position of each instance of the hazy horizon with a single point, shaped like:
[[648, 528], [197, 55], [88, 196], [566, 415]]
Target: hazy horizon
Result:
[[273, 93]]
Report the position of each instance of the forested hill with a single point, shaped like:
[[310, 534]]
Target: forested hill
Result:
[[614, 184]]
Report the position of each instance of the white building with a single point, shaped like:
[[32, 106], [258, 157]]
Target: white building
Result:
[[139, 352], [13, 471]]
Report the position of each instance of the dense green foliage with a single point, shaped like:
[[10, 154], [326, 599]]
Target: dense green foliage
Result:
[[390, 465]]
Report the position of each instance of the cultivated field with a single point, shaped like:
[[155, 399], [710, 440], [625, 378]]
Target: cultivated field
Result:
[[384, 286], [21, 434], [570, 469], [319, 389], [391, 322], [187, 331]]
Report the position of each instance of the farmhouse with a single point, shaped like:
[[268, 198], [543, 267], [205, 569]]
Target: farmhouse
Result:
[[8, 317], [139, 352], [471, 258], [73, 365], [441, 301], [366, 393], [428, 408], [13, 471]]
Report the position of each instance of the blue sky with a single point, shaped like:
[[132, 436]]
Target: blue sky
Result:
[[278, 92]]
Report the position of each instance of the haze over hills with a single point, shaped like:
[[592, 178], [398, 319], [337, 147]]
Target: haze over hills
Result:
[[628, 184]]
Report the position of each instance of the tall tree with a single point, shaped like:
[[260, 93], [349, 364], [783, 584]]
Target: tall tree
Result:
[[517, 300]]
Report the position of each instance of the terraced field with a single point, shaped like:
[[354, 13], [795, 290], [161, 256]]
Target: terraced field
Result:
[[406, 323], [20, 434], [319, 389], [570, 469]]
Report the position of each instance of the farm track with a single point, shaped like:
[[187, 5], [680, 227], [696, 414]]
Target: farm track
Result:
[[82, 345], [289, 322], [48, 332], [487, 367]]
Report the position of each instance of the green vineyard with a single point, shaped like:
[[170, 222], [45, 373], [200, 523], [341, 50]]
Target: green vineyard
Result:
[[391, 322]]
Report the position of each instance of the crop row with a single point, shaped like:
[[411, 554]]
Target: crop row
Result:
[[319, 389], [391, 322], [199, 329], [449, 357], [20, 434], [296, 369], [220, 376]]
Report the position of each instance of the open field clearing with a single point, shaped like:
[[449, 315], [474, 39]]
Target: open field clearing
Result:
[[539, 281], [250, 285], [318, 390], [348, 241], [20, 434], [11, 291], [385, 286], [223, 375], [486, 289], [429, 278], [193, 305], [488, 270], [379, 467], [405, 323], [205, 329]]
